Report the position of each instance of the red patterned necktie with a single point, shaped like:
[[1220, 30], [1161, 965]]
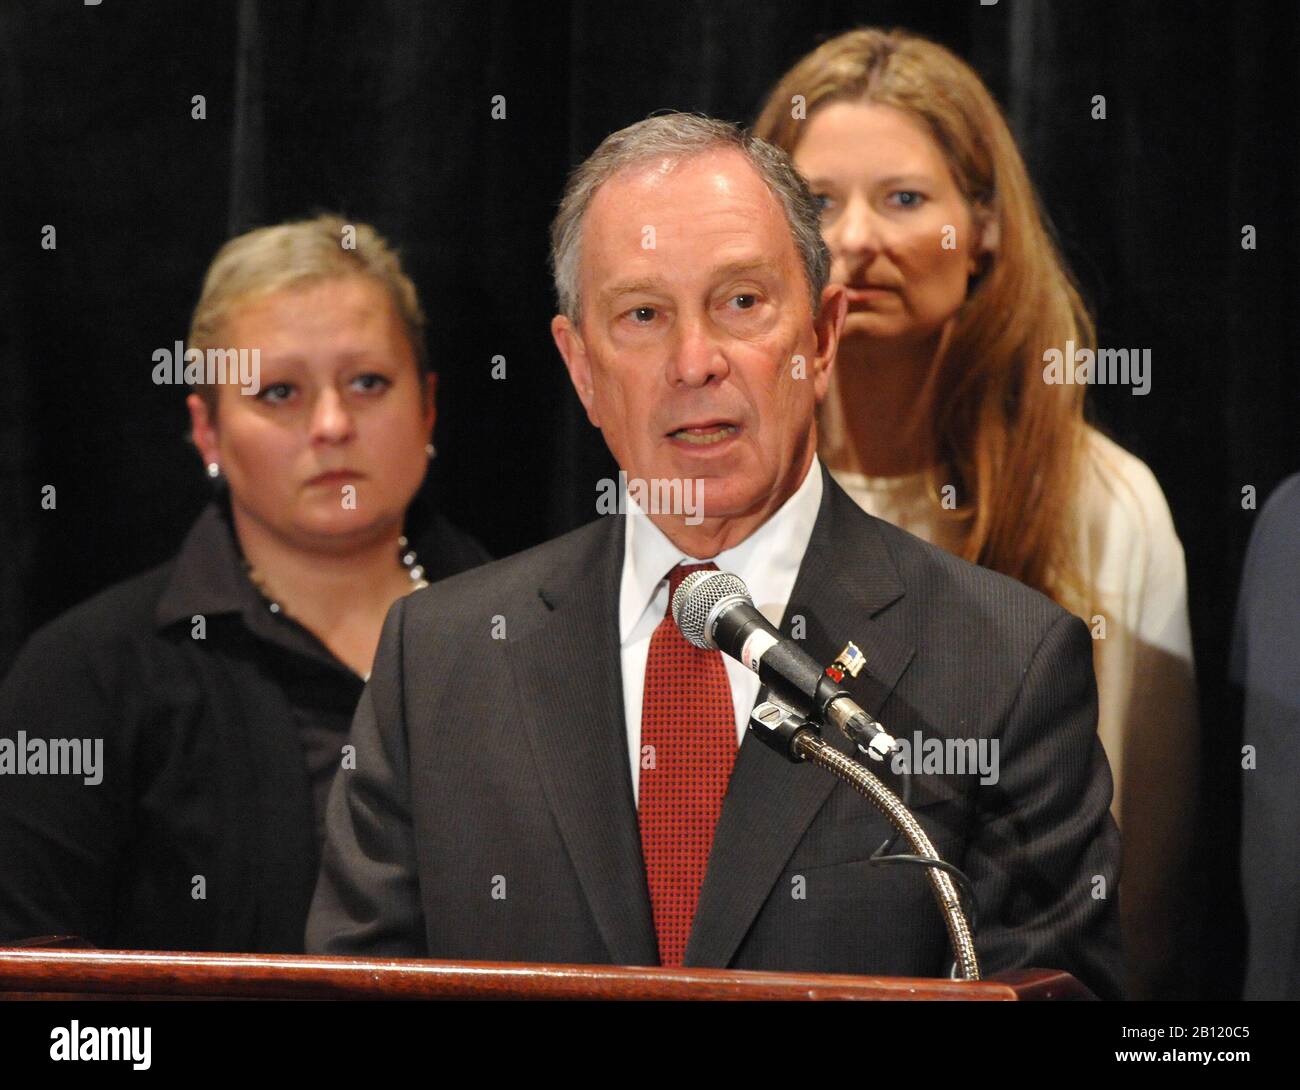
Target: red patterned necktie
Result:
[[688, 724]]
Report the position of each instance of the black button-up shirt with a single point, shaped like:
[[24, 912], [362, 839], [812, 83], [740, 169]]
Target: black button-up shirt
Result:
[[221, 726]]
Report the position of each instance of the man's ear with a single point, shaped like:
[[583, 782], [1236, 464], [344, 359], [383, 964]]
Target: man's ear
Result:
[[203, 430], [568, 339], [828, 325]]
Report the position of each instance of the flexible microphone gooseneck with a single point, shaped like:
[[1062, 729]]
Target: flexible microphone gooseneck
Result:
[[714, 611]]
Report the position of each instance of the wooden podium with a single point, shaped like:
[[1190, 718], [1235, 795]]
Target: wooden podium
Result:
[[58, 971]]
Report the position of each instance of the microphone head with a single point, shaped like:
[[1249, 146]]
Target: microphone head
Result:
[[698, 596]]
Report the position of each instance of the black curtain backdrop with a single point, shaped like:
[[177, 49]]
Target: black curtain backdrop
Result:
[[382, 110]]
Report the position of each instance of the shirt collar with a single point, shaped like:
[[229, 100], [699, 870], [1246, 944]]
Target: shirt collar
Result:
[[208, 580], [766, 561], [208, 576]]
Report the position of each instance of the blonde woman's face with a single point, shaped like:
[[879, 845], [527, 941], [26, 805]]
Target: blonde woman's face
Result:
[[899, 230], [331, 449]]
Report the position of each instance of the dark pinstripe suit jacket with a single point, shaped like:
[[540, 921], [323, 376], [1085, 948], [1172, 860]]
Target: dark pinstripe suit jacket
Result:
[[490, 813]]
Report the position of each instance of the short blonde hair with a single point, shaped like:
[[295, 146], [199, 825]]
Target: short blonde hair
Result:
[[294, 254]]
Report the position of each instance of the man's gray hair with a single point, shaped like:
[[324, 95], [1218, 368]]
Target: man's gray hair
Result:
[[680, 136]]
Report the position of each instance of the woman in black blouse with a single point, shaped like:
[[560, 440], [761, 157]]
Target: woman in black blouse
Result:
[[209, 700]]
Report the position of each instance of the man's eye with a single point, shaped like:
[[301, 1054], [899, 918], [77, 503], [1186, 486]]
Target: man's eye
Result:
[[642, 315], [275, 393], [745, 301], [908, 198]]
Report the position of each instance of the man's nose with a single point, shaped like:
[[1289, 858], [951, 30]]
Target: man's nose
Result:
[[697, 356], [330, 420]]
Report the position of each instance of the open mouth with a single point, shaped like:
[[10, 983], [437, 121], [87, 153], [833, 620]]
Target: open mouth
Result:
[[705, 435]]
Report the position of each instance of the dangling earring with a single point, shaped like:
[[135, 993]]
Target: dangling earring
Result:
[[431, 451], [214, 470]]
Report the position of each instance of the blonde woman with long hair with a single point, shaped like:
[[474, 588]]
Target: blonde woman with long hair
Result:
[[945, 420]]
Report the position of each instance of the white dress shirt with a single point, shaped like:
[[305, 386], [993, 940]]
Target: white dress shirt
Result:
[[768, 561]]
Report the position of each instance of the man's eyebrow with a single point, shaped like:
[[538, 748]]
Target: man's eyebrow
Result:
[[650, 285], [631, 287], [740, 268]]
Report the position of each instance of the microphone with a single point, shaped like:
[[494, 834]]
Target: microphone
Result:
[[714, 611]]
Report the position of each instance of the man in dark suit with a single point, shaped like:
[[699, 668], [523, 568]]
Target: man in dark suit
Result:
[[544, 769], [1265, 650]]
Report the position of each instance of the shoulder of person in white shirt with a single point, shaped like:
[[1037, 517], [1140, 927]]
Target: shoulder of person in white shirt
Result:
[[1134, 559]]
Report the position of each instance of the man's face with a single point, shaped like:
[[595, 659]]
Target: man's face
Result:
[[697, 354]]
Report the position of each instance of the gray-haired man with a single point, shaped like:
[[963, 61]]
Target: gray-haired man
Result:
[[545, 772]]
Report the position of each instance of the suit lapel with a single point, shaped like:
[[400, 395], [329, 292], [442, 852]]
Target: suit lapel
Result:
[[846, 578], [569, 681]]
